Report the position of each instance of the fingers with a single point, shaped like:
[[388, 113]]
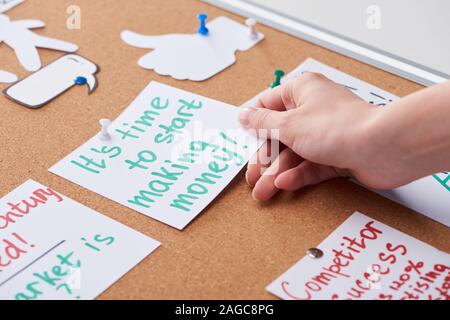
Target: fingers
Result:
[[260, 162], [265, 187], [306, 173], [280, 98], [140, 41], [268, 124]]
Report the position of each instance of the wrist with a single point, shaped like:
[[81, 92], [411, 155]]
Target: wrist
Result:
[[386, 147], [375, 151]]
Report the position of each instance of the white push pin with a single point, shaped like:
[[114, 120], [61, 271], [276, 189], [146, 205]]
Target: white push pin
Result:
[[104, 134], [251, 28]]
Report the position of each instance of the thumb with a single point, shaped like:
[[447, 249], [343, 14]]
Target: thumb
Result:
[[266, 121]]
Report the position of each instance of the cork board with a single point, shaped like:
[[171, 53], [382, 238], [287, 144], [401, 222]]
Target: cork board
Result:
[[236, 247]]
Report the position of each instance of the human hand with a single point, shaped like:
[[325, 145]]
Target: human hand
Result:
[[324, 130]]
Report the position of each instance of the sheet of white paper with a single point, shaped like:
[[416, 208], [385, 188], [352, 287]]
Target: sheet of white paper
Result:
[[7, 77], [365, 259], [170, 154], [46, 84], [203, 56], [52, 247], [429, 196], [17, 35]]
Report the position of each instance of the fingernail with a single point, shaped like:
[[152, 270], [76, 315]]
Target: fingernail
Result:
[[275, 183], [246, 115], [248, 181]]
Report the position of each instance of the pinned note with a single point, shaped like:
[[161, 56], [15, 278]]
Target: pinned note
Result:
[[167, 156], [52, 247], [365, 259]]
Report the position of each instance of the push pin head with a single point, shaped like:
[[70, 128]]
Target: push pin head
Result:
[[250, 23], [315, 253], [104, 133], [203, 30], [278, 75], [80, 81]]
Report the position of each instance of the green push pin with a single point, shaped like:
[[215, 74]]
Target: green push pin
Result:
[[278, 75]]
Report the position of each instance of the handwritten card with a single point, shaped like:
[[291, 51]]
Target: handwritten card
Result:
[[52, 247], [168, 155], [365, 259], [430, 195]]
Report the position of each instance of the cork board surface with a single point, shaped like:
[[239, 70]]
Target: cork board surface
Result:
[[236, 247]]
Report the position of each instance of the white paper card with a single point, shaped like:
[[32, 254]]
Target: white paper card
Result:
[[52, 247], [49, 82], [430, 195], [168, 155], [365, 259]]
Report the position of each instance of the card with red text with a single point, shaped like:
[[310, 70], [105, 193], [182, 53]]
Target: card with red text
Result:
[[52, 247], [364, 260]]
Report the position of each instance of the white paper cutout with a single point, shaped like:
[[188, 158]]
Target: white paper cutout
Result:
[[193, 56], [50, 235], [7, 77], [16, 34], [6, 5], [148, 162], [365, 259], [51, 81]]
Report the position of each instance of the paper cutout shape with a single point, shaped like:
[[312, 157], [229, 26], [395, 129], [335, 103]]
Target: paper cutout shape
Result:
[[16, 34], [7, 77], [193, 56], [60, 248], [6, 5], [41, 87], [430, 195], [168, 155], [365, 259]]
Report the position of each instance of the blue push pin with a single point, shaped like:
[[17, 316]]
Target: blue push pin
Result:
[[80, 81], [203, 30]]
